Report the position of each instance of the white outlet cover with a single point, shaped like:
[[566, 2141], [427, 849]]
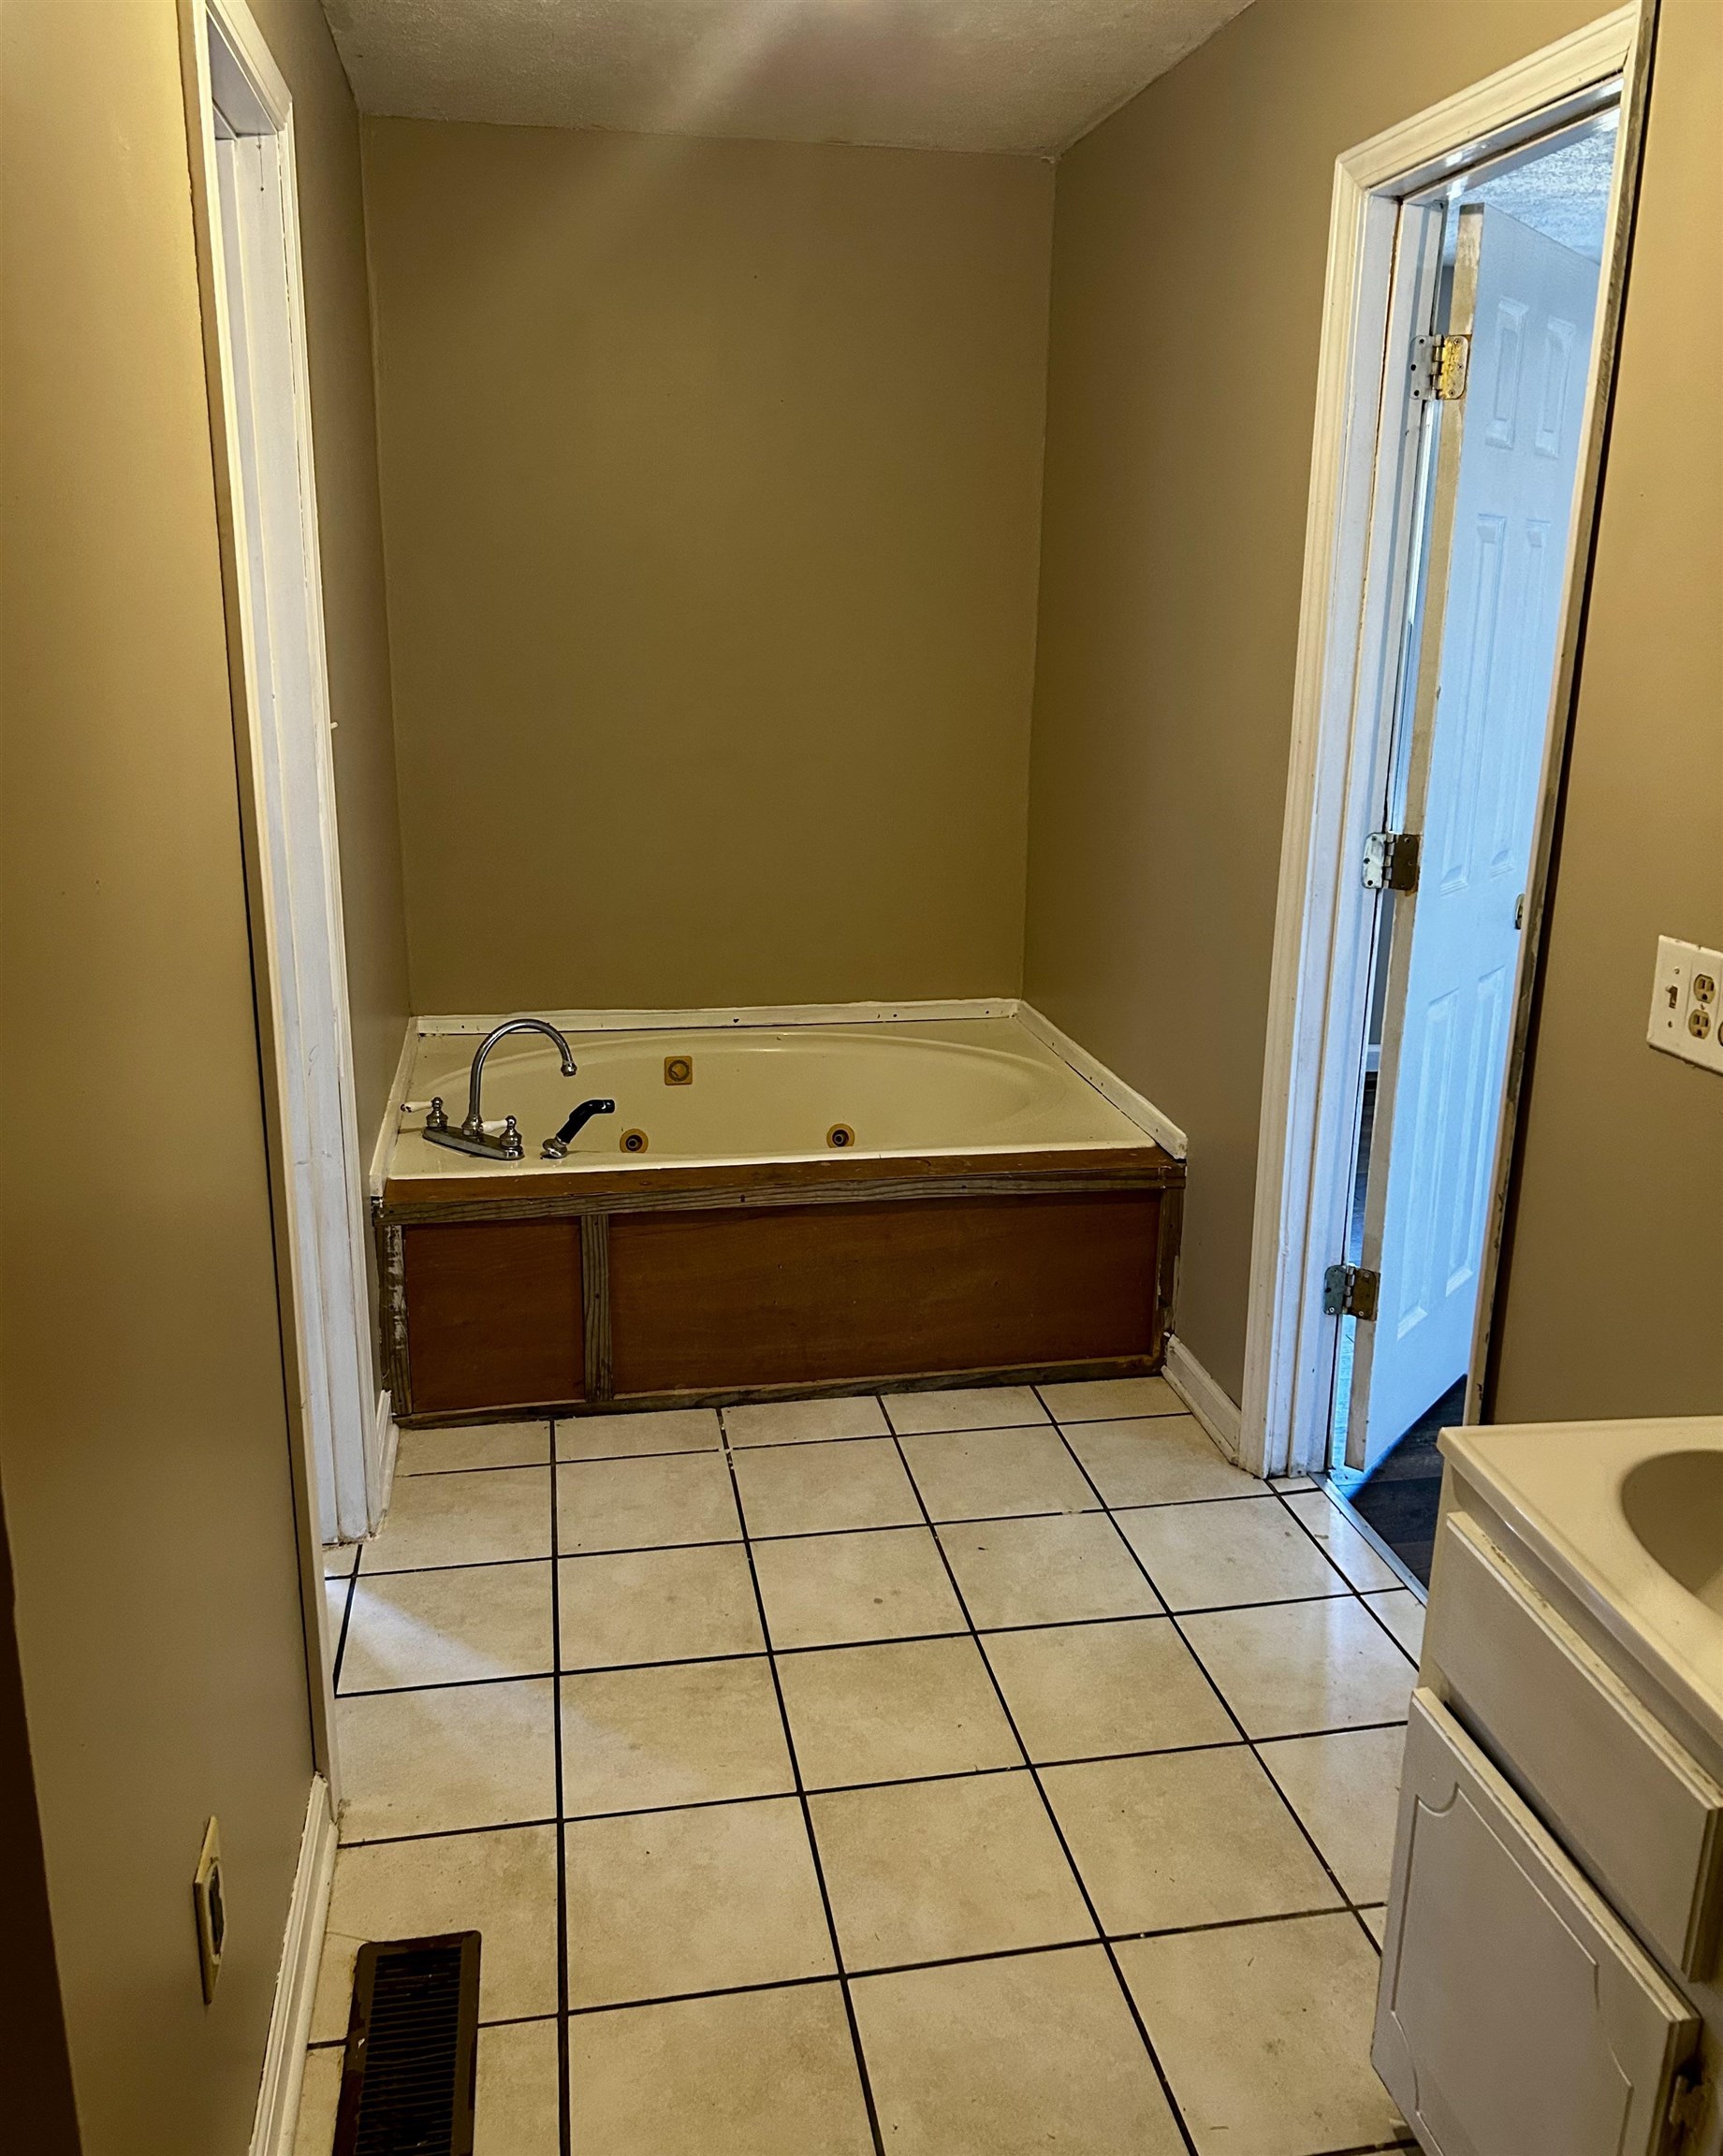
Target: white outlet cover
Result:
[[1687, 1003], [1669, 994]]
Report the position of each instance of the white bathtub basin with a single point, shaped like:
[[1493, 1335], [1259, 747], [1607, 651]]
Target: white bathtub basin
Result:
[[769, 1093]]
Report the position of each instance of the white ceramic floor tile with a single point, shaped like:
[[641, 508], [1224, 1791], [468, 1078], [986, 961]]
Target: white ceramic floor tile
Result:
[[824, 1590], [1400, 1609], [1293, 1668], [805, 1421], [1377, 1921], [339, 1559], [929, 1871], [500, 1884], [1346, 1788], [887, 1713], [1160, 1460], [1296, 2001], [474, 1445], [1082, 1691], [664, 1903], [473, 1518], [1206, 1557], [1342, 1540], [519, 2097], [319, 2101], [1046, 1571], [625, 1436], [1183, 1838], [1110, 1399], [460, 1755], [990, 1473], [744, 2073], [645, 1504], [678, 1604], [967, 1407], [823, 1489], [447, 1627], [1011, 2058], [690, 1733]]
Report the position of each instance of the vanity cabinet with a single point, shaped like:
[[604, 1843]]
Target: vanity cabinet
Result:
[[1551, 1956]]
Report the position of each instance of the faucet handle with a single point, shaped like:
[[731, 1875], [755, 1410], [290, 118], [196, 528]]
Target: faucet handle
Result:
[[438, 1118], [512, 1147]]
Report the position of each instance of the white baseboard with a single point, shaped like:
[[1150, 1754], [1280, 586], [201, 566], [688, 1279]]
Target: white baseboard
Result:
[[284, 2057], [387, 1442], [1126, 1099], [1215, 1410]]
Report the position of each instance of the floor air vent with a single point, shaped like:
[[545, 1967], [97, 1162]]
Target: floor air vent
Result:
[[407, 2080]]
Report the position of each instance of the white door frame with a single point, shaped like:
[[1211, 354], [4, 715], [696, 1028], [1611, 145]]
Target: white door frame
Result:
[[238, 106], [1349, 612]]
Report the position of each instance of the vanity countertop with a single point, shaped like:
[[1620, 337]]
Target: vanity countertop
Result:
[[1558, 1486]]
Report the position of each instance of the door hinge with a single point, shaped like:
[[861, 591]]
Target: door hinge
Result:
[[1440, 367], [1687, 2105], [1351, 1291], [1391, 860]]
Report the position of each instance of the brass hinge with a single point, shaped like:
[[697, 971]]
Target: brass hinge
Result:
[[1351, 1291], [1391, 860], [1688, 2101], [1440, 367]]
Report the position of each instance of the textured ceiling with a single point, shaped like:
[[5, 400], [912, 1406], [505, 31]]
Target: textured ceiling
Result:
[[1002, 75]]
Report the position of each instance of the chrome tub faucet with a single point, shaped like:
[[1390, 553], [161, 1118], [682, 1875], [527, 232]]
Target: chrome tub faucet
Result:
[[472, 1137]]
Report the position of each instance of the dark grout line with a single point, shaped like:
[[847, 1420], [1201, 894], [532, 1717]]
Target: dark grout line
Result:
[[341, 1639], [813, 1846], [565, 2103], [1059, 1831]]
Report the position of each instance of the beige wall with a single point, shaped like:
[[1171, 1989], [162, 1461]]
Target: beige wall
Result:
[[1190, 239], [142, 1441], [344, 431], [1615, 1302], [710, 483]]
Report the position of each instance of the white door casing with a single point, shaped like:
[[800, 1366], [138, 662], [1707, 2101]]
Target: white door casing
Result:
[[1507, 468], [292, 829]]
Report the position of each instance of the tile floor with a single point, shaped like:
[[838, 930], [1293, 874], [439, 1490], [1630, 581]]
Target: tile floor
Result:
[[962, 1773]]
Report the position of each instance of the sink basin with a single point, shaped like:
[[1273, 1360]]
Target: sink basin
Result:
[[1673, 1502]]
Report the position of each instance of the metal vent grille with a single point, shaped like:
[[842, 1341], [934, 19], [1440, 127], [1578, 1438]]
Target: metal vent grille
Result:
[[407, 2080]]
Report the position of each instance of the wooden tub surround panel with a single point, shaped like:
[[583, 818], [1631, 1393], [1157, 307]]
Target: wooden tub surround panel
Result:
[[680, 1284], [806, 1296], [492, 1315]]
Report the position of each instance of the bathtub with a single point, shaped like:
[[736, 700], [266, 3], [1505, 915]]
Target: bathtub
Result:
[[771, 1210]]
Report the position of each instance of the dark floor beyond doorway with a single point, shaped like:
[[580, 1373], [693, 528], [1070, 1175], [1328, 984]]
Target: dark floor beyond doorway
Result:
[[1400, 1498]]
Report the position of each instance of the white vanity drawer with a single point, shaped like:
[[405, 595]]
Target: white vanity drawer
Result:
[[1518, 2014], [1643, 1818]]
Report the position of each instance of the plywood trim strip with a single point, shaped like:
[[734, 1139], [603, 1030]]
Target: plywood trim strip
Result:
[[1113, 1088], [745, 1396], [393, 1311], [295, 1986], [845, 1182], [595, 1303]]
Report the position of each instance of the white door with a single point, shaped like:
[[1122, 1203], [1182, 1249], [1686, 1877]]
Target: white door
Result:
[[263, 357], [1506, 469]]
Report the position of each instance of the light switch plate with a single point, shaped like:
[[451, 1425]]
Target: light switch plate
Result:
[[1687, 1003]]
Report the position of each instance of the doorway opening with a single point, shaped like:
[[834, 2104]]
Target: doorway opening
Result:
[[1517, 243], [1477, 263]]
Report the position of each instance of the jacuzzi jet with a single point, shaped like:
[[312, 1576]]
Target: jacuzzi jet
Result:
[[634, 1141], [841, 1135]]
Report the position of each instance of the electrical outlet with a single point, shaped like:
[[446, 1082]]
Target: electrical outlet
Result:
[[211, 1903], [1687, 1003]]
